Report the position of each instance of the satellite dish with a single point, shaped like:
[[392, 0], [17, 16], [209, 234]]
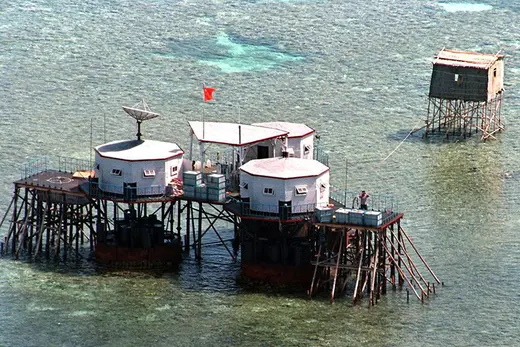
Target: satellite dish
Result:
[[140, 112]]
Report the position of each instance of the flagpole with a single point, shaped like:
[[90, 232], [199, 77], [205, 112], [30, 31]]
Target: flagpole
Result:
[[203, 130], [207, 95]]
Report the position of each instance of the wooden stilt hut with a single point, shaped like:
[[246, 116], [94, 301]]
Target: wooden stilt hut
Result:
[[466, 93]]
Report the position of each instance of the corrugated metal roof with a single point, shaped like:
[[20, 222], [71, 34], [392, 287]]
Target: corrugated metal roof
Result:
[[284, 168], [233, 134], [466, 59], [294, 129]]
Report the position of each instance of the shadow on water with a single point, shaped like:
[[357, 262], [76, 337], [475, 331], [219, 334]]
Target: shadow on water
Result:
[[82, 265], [216, 272], [418, 136], [403, 134]]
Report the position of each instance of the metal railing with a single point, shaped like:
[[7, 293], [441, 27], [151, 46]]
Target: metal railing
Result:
[[34, 167], [44, 163], [248, 209], [117, 191], [301, 211], [376, 202], [321, 156], [72, 165]]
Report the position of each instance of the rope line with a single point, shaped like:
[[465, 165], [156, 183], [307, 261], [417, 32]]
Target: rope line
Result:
[[400, 143]]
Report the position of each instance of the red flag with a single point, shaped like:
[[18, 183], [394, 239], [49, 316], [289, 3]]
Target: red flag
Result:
[[208, 93]]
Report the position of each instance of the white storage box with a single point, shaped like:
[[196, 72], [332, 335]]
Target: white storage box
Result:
[[342, 215], [216, 179], [201, 191], [324, 214], [192, 178], [189, 191], [373, 218], [356, 217]]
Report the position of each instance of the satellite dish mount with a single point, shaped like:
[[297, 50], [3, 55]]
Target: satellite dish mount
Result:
[[140, 112]]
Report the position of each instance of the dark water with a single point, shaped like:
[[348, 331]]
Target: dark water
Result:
[[356, 71]]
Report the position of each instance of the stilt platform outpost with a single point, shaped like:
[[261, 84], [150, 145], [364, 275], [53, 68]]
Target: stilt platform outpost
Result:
[[466, 94], [142, 205]]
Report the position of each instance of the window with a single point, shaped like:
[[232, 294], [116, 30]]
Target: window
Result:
[[148, 173], [268, 191], [458, 79], [117, 172], [300, 190], [495, 72], [244, 185], [173, 170], [306, 149]]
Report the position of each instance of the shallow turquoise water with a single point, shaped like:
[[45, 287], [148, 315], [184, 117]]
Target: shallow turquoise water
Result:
[[356, 71]]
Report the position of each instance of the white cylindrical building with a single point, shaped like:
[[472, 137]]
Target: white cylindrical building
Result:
[[300, 184], [144, 166]]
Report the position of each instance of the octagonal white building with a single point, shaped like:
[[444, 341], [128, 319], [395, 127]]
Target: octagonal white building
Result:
[[301, 184], [145, 166]]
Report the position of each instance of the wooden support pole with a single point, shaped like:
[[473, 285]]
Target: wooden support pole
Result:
[[199, 228], [65, 226], [366, 277], [7, 211], [358, 277], [399, 236], [374, 272], [23, 234], [382, 279], [194, 232], [411, 263], [347, 271], [42, 228], [34, 218], [418, 254], [236, 236], [83, 221], [59, 228], [311, 290], [91, 225], [13, 227], [48, 217], [79, 227], [179, 214], [404, 276], [413, 276], [187, 235], [369, 256], [171, 216], [338, 255]]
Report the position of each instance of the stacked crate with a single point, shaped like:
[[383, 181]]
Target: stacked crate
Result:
[[191, 180], [342, 215], [201, 191], [373, 218], [324, 214], [216, 187], [356, 217]]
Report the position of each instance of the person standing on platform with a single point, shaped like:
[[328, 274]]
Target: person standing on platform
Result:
[[363, 198]]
